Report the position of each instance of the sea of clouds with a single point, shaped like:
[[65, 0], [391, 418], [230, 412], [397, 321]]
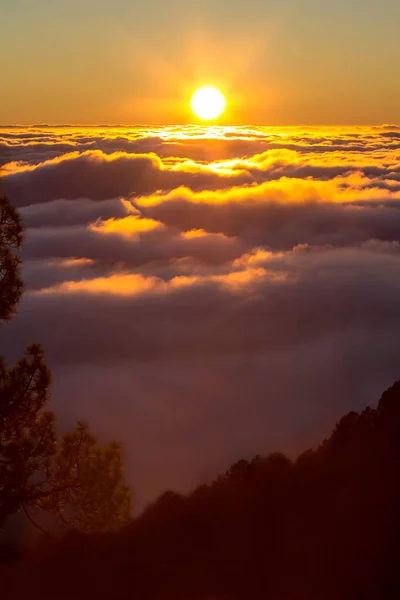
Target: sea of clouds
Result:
[[206, 294]]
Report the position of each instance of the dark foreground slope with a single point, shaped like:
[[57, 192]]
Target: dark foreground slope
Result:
[[325, 527]]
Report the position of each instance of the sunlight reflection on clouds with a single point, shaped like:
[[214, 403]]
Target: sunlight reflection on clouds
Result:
[[245, 277]]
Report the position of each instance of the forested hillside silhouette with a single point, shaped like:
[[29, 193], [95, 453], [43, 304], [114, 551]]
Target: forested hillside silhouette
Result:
[[326, 526]]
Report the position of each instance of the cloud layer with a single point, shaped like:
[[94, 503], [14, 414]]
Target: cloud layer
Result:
[[205, 294]]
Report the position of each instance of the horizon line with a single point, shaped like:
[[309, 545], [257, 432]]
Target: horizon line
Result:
[[204, 125]]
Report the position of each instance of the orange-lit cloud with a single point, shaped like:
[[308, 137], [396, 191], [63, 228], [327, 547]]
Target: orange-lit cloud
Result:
[[181, 270], [128, 226]]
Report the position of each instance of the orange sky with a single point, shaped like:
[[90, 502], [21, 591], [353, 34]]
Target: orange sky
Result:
[[286, 62]]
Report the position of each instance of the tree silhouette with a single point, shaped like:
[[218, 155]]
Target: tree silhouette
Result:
[[72, 477], [10, 241]]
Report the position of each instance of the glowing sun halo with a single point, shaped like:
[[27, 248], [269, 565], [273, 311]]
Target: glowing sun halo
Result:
[[208, 102]]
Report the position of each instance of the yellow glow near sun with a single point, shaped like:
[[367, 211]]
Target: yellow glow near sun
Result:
[[208, 102]]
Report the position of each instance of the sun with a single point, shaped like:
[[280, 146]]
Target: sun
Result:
[[208, 102]]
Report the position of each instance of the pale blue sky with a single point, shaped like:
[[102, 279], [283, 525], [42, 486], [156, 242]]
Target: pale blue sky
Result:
[[279, 62]]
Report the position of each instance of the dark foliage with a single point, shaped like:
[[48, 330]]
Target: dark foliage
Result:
[[71, 477], [10, 242], [325, 527]]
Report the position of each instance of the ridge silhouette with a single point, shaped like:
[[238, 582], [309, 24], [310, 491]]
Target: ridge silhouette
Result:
[[325, 526]]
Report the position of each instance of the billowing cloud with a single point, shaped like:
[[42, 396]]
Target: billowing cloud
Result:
[[100, 176], [205, 294]]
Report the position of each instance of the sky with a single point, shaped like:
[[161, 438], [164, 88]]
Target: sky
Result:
[[283, 62], [207, 294]]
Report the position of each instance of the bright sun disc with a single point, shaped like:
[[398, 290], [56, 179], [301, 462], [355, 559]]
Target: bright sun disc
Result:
[[208, 102]]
